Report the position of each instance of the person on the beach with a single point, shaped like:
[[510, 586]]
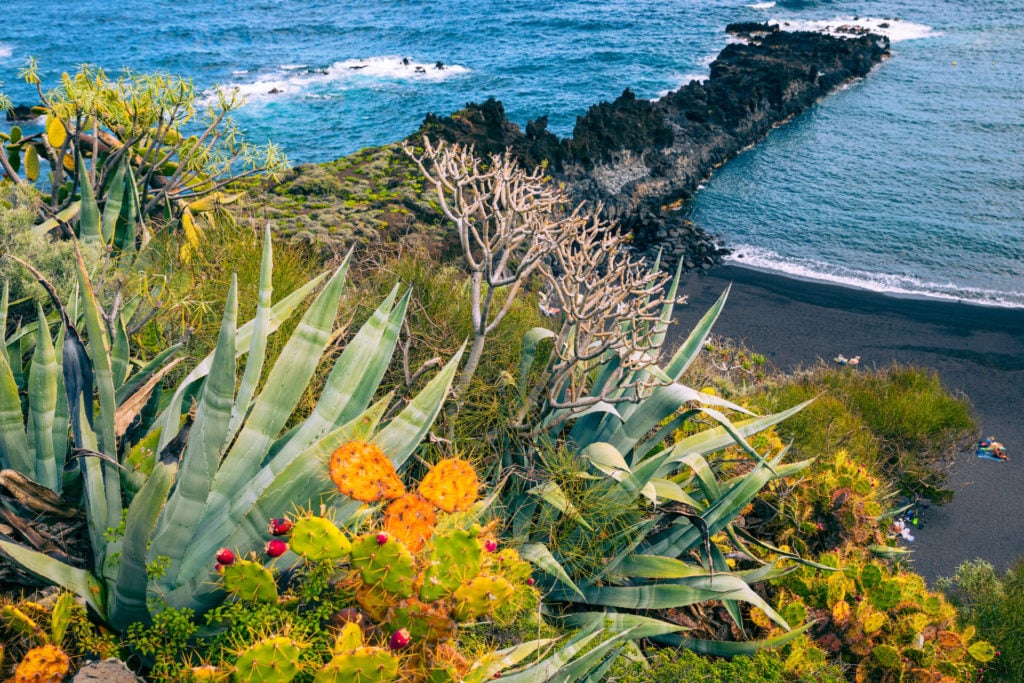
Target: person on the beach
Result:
[[998, 450]]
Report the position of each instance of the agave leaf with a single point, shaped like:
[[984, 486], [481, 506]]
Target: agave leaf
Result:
[[120, 352], [62, 416], [496, 662], [99, 344], [539, 555], [688, 351], [186, 507], [661, 405], [638, 626], [631, 485], [42, 391], [284, 387], [89, 220], [78, 581], [546, 668], [64, 216], [281, 311], [356, 374], [658, 567], [716, 439], [613, 568], [887, 551], [665, 489], [4, 303], [705, 475], [144, 375], [595, 661], [658, 338], [400, 437], [680, 593], [261, 330], [131, 406], [13, 440], [528, 354], [722, 511], [128, 597], [112, 205], [644, 447], [728, 648]]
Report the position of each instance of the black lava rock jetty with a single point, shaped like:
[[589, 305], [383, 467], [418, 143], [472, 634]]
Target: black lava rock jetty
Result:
[[642, 160]]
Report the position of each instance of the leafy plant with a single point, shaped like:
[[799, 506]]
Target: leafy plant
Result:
[[210, 475], [882, 621], [993, 604]]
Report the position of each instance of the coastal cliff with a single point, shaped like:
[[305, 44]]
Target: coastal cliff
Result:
[[642, 160]]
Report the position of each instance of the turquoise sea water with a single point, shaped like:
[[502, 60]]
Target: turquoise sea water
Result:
[[910, 181]]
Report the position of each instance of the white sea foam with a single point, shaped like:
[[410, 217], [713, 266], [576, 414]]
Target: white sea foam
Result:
[[895, 30], [5, 51], [900, 285], [762, 5], [294, 79]]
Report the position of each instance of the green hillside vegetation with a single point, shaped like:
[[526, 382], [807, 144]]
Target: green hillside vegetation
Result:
[[326, 423]]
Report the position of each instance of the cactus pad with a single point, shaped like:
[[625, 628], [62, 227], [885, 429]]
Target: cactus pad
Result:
[[250, 581], [44, 664], [273, 660], [426, 621], [411, 520], [885, 595], [455, 557], [451, 485], [361, 471], [387, 565], [317, 538], [481, 595], [360, 665]]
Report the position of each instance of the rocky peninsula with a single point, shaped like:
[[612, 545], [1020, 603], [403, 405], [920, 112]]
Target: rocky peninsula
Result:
[[642, 160]]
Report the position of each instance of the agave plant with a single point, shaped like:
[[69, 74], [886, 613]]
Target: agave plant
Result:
[[648, 564], [218, 461]]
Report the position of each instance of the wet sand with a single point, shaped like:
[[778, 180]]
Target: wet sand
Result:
[[977, 350]]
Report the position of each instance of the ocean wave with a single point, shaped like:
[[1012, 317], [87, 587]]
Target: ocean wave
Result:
[[762, 5], [760, 258], [5, 51], [293, 79], [895, 30]]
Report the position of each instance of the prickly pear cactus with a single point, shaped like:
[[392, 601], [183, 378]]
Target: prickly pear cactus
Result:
[[410, 519], [272, 660], [426, 621], [317, 538], [385, 562], [44, 664], [481, 595], [250, 581], [360, 665], [361, 471], [885, 595], [454, 558], [451, 485]]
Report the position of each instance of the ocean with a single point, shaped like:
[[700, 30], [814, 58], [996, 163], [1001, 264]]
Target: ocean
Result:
[[910, 181]]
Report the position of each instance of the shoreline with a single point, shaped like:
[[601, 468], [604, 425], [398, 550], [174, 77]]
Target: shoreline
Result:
[[977, 350]]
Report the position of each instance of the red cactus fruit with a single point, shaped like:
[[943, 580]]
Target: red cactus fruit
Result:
[[225, 556], [279, 526], [218, 567], [399, 639], [382, 538], [490, 545], [529, 581], [275, 547]]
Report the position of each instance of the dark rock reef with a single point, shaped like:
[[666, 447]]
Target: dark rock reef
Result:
[[642, 160]]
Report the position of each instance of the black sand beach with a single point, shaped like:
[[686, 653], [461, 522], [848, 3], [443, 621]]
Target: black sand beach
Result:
[[978, 350]]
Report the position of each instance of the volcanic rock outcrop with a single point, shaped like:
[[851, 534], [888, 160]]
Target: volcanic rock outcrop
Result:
[[642, 160]]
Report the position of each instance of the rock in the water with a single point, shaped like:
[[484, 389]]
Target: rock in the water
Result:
[[641, 160]]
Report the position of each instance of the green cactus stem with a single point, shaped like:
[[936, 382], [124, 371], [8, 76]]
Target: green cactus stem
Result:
[[271, 660], [387, 565], [454, 558], [317, 538], [481, 595], [360, 665], [250, 581]]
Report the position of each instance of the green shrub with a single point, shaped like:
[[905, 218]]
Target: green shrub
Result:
[[994, 605], [674, 666]]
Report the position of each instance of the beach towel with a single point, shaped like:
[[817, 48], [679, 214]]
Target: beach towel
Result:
[[985, 449]]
